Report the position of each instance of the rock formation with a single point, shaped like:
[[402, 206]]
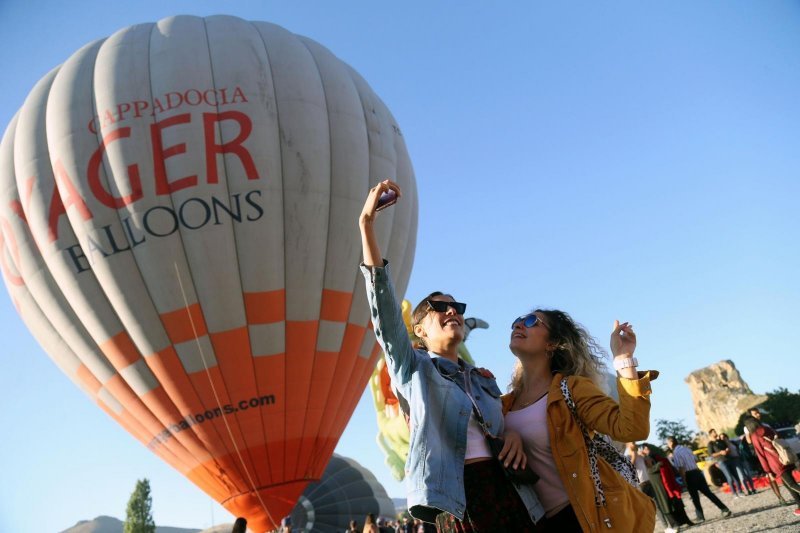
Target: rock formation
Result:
[[720, 396]]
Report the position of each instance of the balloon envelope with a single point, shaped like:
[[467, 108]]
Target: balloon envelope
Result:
[[347, 491], [178, 211]]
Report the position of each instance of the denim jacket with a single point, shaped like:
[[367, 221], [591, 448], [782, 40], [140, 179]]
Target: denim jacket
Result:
[[439, 409]]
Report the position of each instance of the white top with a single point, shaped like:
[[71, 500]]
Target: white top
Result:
[[531, 423], [477, 447], [638, 464]]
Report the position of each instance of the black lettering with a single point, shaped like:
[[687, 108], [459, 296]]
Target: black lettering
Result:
[[206, 209], [257, 207], [146, 221], [78, 258], [129, 231], [235, 214], [114, 247]]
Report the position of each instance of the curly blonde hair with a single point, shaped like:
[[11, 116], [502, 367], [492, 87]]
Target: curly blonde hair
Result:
[[576, 352]]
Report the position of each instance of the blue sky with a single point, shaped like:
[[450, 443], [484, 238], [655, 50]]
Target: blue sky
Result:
[[613, 160]]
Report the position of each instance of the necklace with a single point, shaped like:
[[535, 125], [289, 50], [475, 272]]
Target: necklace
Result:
[[526, 404]]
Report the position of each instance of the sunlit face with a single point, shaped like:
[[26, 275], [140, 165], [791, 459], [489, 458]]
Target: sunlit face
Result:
[[441, 326], [712, 434], [532, 340]]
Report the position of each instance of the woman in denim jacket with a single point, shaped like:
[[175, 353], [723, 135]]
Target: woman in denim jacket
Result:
[[452, 478]]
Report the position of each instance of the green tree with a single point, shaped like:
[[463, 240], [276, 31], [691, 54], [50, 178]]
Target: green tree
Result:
[[139, 518], [782, 406], [671, 428]]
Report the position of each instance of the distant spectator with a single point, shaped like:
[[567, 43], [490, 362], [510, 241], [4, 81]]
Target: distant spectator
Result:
[[353, 527], [667, 491], [240, 526], [684, 461], [369, 524], [762, 437], [736, 467]]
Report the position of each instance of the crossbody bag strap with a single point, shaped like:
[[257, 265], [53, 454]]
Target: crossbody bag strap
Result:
[[467, 388], [599, 494]]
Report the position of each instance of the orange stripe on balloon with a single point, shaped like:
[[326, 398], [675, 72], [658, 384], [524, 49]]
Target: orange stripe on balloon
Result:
[[88, 379], [235, 361], [265, 307], [134, 405], [340, 387], [360, 373], [270, 372], [279, 499], [335, 305], [168, 370], [120, 350], [182, 323], [301, 341], [316, 407], [202, 382]]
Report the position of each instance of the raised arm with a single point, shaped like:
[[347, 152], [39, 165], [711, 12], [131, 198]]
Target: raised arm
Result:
[[628, 420], [386, 315], [369, 244]]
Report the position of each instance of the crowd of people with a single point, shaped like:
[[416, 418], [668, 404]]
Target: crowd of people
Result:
[[662, 476]]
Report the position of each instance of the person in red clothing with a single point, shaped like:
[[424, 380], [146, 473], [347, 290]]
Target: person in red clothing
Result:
[[665, 486], [761, 437]]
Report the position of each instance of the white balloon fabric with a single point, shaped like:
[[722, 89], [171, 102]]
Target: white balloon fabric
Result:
[[178, 205]]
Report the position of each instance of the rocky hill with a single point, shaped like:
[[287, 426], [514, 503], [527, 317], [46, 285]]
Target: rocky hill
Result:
[[720, 396]]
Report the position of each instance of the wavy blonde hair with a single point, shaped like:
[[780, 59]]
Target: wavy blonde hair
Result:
[[576, 352]]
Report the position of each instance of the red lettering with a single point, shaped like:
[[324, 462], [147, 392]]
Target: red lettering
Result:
[[209, 101], [92, 125], [171, 104], [188, 97], [238, 93], [163, 186], [64, 197], [233, 147], [7, 237], [121, 110], [157, 107], [93, 173], [138, 107]]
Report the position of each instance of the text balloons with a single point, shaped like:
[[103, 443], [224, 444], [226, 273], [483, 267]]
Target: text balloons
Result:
[[179, 206]]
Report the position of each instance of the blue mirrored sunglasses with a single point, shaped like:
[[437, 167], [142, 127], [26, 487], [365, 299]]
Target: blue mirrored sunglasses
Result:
[[527, 320]]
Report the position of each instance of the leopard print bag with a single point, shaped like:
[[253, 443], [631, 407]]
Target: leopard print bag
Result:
[[600, 445]]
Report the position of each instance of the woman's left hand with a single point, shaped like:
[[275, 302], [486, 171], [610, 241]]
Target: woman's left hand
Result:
[[623, 340], [513, 453]]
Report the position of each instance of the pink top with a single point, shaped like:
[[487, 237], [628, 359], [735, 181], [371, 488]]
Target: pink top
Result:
[[531, 423]]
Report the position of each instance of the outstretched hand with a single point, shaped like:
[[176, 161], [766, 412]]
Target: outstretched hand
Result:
[[623, 340], [369, 212], [513, 453]]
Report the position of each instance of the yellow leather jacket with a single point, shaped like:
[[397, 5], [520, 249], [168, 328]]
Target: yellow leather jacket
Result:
[[627, 509]]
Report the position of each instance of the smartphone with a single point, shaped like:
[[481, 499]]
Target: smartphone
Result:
[[388, 198]]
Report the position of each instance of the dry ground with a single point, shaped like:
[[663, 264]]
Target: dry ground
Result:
[[758, 513]]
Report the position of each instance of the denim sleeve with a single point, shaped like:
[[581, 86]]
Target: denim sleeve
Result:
[[387, 321]]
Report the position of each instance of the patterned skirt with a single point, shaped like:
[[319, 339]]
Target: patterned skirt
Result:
[[492, 503]]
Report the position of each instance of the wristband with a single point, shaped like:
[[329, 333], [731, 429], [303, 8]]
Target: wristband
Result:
[[627, 362]]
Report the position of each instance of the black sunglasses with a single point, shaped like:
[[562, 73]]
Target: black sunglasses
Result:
[[528, 321], [441, 306]]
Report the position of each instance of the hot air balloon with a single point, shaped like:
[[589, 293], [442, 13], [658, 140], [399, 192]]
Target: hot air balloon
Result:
[[347, 491], [178, 214], [393, 432]]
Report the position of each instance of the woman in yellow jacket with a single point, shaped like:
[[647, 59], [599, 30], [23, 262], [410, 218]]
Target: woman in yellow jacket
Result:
[[550, 346]]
